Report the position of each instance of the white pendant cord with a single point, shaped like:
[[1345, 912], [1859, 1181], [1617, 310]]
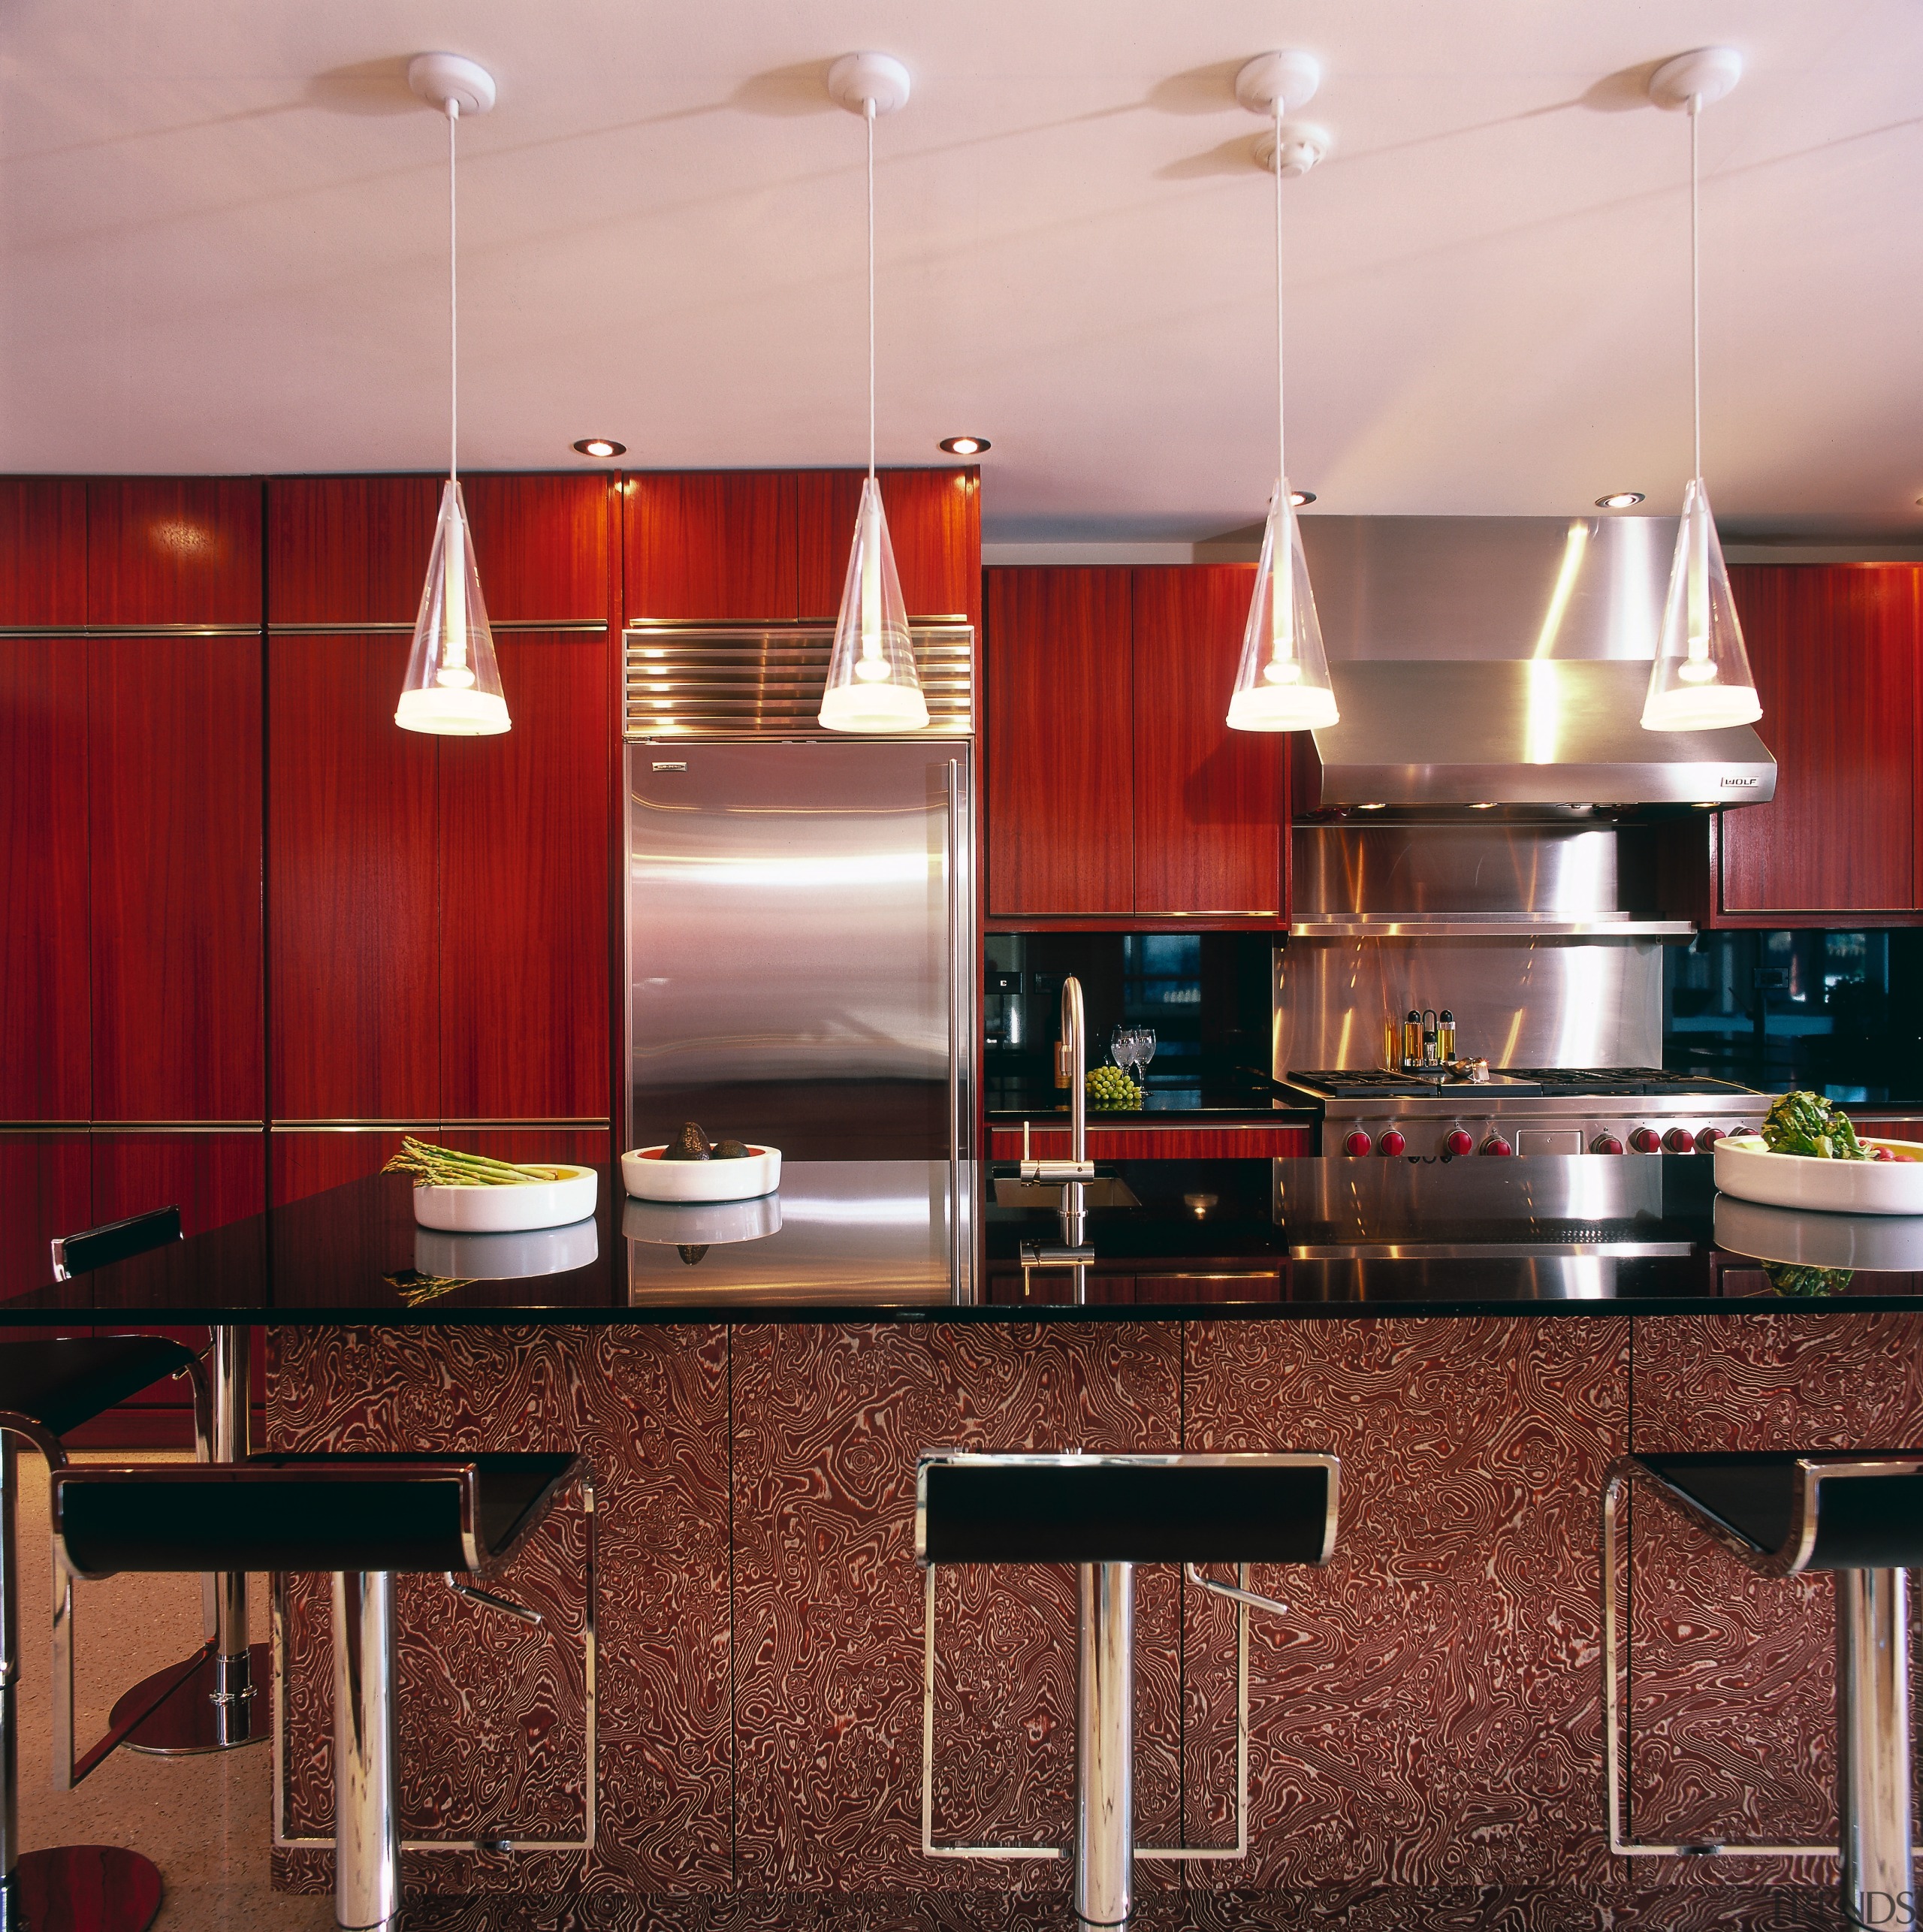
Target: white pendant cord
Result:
[[1695, 290], [453, 303], [867, 116], [1281, 463]]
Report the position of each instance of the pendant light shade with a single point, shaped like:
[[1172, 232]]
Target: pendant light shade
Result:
[[1701, 680], [1282, 683], [871, 681], [453, 688], [454, 684]]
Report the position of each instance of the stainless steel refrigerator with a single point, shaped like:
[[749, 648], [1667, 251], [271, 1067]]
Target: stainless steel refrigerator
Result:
[[800, 915]]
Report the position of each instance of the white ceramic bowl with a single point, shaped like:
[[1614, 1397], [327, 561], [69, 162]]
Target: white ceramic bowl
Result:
[[1745, 1168], [701, 1224], [645, 1173], [510, 1209], [508, 1257]]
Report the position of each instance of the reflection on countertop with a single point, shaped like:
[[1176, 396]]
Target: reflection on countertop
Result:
[[838, 1231]]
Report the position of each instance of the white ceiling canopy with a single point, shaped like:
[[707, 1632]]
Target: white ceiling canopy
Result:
[[224, 251]]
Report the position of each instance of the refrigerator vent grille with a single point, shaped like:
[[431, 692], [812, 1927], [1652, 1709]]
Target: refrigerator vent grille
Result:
[[684, 681]]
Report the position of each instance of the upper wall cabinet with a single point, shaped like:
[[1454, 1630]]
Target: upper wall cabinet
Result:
[[174, 550], [1116, 790], [1835, 652], [353, 550], [750, 546], [43, 550]]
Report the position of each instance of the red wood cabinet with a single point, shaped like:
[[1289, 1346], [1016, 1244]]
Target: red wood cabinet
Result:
[[721, 545], [213, 1178], [174, 550], [174, 803], [45, 1191], [934, 523], [1158, 1143], [43, 550], [1211, 803], [1058, 720], [1835, 650], [46, 1072], [526, 821], [354, 967], [1114, 787], [350, 550], [541, 545]]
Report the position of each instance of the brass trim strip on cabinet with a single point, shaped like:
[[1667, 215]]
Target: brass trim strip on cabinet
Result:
[[436, 1126], [353, 627], [132, 630]]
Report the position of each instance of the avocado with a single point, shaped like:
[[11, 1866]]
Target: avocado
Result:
[[690, 1144], [730, 1150]]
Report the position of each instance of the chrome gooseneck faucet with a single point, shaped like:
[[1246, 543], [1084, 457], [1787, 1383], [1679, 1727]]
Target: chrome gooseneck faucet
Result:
[[1071, 1057]]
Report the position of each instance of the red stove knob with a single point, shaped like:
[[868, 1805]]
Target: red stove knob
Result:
[[1605, 1144], [1706, 1140], [1495, 1144], [1458, 1142], [1392, 1144], [1358, 1143], [1646, 1140], [1680, 1140]]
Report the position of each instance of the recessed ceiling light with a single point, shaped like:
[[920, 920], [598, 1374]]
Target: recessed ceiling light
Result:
[[1299, 497], [966, 445], [1622, 499], [601, 445]]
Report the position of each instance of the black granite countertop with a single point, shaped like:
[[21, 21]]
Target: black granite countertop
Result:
[[863, 1241], [1173, 1100]]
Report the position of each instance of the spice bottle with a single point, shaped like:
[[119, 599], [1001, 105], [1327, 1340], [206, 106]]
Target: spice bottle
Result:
[[1430, 1057], [1412, 1039], [1445, 1034]]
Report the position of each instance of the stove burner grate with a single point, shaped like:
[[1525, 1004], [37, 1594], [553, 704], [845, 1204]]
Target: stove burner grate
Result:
[[1619, 1082]]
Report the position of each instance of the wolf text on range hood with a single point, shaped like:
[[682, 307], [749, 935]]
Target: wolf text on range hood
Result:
[[1484, 661]]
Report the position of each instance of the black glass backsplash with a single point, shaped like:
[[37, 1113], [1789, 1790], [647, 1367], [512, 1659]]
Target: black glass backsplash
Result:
[[1840, 1012], [1208, 995]]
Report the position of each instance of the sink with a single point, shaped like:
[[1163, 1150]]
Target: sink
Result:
[[1106, 1190]]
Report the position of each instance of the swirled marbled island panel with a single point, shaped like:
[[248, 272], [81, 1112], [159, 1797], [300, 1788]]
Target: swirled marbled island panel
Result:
[[1427, 1714], [491, 1711], [1734, 1700], [828, 1422]]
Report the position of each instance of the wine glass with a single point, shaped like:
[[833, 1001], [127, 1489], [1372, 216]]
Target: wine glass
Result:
[[1118, 1045], [1144, 1051]]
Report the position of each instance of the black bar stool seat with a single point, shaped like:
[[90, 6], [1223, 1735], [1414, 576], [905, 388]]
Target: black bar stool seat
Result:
[[56, 1386], [1858, 1514], [393, 1513], [364, 1518], [1106, 1514]]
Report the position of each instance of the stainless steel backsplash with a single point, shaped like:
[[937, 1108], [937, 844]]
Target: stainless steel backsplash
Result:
[[1552, 870]]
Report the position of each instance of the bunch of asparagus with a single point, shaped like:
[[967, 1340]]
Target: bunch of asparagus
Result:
[[1807, 1124], [434, 1166]]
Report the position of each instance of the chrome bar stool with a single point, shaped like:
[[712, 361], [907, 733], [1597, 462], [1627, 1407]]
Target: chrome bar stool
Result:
[[213, 1706], [47, 1388], [1859, 1514], [1106, 1514], [364, 1518]]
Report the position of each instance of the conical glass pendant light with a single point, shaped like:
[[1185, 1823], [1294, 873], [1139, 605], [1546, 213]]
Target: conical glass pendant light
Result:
[[872, 685], [1701, 680], [454, 683], [1282, 681]]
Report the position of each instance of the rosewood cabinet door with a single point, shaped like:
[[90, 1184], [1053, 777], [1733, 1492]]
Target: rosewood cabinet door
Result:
[[43, 550], [1210, 804], [45, 1191], [354, 951], [541, 545], [1061, 772], [719, 544], [348, 550], [1834, 648], [174, 791], [934, 523], [527, 890], [174, 550], [47, 1071]]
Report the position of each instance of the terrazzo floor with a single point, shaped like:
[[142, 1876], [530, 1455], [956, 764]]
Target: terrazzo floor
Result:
[[204, 1821]]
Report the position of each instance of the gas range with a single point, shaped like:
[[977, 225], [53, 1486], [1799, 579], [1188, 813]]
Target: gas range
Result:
[[1526, 1110]]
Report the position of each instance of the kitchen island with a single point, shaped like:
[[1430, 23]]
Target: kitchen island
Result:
[[1426, 1719]]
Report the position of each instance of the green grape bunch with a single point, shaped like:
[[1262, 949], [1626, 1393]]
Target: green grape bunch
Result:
[[1111, 1090]]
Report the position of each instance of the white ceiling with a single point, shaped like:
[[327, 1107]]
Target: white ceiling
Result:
[[225, 228]]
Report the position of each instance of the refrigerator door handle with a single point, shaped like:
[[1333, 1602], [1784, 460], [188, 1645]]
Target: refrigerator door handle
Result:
[[960, 952]]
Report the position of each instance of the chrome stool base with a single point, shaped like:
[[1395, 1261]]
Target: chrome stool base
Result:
[[81, 1889], [210, 1712]]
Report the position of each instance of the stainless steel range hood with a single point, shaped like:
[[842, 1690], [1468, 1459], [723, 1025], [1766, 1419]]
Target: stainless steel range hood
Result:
[[1501, 661]]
